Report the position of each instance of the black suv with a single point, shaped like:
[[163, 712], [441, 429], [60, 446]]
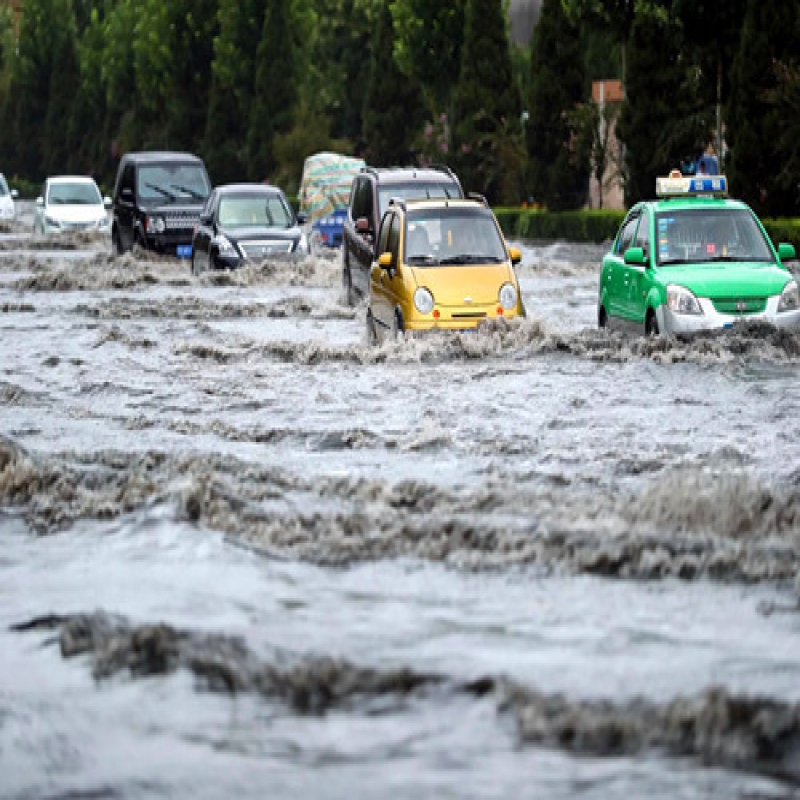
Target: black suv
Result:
[[369, 197], [157, 201]]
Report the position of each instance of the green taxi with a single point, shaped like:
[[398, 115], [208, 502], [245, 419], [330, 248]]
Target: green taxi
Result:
[[695, 260]]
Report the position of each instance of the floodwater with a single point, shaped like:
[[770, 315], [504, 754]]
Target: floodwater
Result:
[[245, 554]]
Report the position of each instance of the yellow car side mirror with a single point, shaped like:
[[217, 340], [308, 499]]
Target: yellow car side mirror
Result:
[[515, 254], [386, 260]]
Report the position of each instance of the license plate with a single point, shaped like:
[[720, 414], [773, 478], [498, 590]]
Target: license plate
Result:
[[184, 251]]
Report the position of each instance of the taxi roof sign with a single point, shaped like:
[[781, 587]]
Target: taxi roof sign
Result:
[[677, 185]]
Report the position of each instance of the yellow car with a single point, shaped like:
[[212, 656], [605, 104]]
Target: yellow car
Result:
[[442, 265]]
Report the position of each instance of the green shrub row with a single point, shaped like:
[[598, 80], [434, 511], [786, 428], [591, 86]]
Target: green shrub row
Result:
[[573, 226], [601, 226]]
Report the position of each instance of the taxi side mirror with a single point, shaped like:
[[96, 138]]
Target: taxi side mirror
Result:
[[635, 256], [786, 252], [515, 254], [386, 260]]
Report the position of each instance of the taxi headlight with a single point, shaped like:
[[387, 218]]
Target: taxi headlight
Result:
[[508, 296], [156, 225], [790, 298], [423, 301], [224, 246], [681, 301]]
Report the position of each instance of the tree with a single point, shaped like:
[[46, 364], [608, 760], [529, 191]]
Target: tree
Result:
[[232, 84], [393, 104], [769, 39], [273, 96], [559, 170], [658, 124], [429, 36], [486, 105]]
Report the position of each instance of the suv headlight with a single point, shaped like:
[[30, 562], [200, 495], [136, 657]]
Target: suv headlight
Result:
[[508, 296], [224, 246], [790, 298], [155, 225], [423, 301], [681, 301]]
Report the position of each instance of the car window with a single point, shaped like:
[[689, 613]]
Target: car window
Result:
[[444, 236], [642, 238], [710, 234], [3, 186], [73, 194], [393, 242], [362, 199], [625, 237], [417, 190], [172, 183], [383, 236]]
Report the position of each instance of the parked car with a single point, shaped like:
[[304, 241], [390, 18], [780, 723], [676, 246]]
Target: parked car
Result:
[[324, 193], [8, 210], [246, 222], [158, 197], [70, 203], [443, 265], [694, 260], [371, 191]]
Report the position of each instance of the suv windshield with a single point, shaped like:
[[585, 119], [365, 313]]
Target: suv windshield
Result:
[[79, 194], [3, 185], [444, 236], [714, 234], [254, 210], [417, 190], [172, 183]]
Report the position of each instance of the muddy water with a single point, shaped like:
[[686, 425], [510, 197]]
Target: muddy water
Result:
[[243, 552]]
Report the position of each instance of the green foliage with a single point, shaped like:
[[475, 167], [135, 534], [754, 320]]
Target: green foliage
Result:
[[559, 169], [429, 35], [486, 105], [393, 103], [273, 96], [571, 226], [755, 123]]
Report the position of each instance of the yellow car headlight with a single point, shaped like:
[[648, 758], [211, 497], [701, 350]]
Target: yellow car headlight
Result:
[[508, 297], [423, 301]]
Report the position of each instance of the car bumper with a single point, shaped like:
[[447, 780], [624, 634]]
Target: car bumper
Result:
[[456, 320], [711, 319]]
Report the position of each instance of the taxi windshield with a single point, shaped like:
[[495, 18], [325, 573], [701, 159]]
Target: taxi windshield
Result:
[[692, 236], [448, 236]]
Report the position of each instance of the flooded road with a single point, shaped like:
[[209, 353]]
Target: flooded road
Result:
[[243, 549]]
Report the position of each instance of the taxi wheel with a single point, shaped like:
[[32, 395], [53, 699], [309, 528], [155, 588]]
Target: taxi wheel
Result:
[[195, 271], [602, 318], [651, 324], [372, 333]]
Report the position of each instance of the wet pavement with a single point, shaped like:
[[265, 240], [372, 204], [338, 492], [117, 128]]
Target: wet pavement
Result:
[[243, 549]]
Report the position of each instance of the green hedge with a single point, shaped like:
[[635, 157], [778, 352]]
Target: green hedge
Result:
[[601, 226], [572, 226]]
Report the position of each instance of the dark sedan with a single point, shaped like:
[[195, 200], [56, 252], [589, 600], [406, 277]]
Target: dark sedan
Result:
[[246, 222]]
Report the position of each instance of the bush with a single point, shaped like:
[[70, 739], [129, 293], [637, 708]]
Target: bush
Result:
[[783, 230], [595, 226]]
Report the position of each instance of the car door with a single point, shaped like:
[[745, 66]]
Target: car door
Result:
[[363, 241], [614, 268], [635, 275], [382, 291]]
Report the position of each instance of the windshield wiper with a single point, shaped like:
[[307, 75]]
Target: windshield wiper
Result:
[[161, 190], [424, 259], [469, 258], [187, 190]]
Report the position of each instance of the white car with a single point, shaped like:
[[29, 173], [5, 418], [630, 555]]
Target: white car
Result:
[[7, 209], [70, 203]]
